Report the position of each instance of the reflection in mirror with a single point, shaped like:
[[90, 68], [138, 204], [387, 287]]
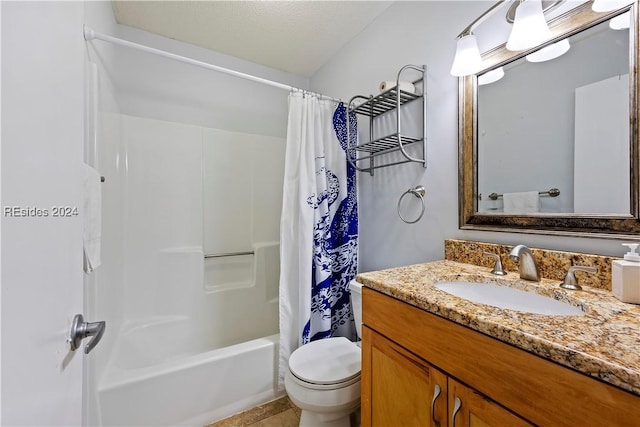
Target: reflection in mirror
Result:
[[561, 123]]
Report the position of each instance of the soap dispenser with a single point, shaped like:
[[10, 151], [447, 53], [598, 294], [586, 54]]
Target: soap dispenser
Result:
[[625, 276]]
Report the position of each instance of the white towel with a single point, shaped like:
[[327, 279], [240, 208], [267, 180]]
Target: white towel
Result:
[[525, 202], [404, 86], [91, 230]]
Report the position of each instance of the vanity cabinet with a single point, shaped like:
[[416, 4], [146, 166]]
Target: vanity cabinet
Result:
[[468, 408], [407, 391], [408, 353]]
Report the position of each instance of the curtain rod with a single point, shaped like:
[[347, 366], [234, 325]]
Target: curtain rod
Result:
[[90, 34]]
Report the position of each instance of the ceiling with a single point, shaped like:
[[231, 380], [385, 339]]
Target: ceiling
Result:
[[293, 36]]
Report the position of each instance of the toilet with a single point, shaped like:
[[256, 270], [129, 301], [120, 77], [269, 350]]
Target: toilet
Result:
[[323, 378]]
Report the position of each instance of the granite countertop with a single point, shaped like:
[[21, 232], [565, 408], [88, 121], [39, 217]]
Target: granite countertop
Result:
[[603, 343]]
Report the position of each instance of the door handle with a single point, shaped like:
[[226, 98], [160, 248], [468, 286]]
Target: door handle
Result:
[[81, 330]]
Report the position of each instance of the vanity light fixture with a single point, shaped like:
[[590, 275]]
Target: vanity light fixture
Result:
[[550, 52], [491, 76], [621, 22], [529, 30], [529, 27], [467, 60], [608, 5]]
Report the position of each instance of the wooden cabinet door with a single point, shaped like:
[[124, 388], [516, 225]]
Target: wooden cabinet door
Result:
[[468, 408], [400, 389]]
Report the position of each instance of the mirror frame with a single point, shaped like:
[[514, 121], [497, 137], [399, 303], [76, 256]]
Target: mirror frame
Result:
[[574, 224]]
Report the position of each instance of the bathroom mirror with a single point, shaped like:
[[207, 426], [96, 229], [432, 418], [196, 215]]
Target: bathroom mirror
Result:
[[548, 127]]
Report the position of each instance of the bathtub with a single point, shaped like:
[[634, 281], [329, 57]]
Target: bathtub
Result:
[[207, 349], [153, 381]]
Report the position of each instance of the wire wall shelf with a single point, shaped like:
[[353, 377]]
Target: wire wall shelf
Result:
[[363, 156], [385, 102]]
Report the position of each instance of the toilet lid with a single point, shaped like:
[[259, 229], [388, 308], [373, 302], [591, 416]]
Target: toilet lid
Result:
[[326, 361]]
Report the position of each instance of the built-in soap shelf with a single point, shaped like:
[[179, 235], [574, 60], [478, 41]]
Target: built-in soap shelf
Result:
[[365, 156]]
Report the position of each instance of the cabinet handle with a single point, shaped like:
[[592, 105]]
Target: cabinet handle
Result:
[[436, 394], [456, 408]]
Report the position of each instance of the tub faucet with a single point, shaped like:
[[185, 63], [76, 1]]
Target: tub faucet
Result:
[[527, 266]]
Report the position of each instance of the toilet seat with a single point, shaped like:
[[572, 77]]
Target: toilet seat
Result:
[[326, 364]]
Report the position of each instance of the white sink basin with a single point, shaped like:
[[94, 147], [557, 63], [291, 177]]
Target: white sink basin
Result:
[[506, 297]]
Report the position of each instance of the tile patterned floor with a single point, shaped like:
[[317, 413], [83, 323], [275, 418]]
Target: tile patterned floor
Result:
[[278, 413]]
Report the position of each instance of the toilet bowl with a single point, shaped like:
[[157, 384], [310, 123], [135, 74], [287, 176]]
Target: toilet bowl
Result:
[[323, 378]]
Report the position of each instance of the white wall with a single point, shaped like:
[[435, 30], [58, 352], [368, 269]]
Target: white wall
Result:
[[164, 89], [419, 33]]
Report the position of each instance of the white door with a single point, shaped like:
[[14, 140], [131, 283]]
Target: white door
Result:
[[41, 254]]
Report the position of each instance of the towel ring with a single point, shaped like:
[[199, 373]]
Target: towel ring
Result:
[[419, 193]]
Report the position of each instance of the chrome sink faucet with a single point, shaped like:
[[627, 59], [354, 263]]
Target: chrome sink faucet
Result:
[[527, 266], [497, 266]]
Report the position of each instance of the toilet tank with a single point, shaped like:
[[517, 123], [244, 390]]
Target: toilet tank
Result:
[[356, 304]]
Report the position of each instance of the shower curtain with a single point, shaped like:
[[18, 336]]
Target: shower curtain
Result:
[[318, 227]]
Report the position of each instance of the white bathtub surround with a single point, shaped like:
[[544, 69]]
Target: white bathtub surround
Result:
[[228, 272], [242, 189], [180, 278], [319, 211], [242, 302], [198, 339], [92, 225]]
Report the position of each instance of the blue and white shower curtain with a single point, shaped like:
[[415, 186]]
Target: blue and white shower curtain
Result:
[[318, 227]]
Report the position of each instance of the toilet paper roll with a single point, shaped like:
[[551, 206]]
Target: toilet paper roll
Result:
[[404, 86]]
